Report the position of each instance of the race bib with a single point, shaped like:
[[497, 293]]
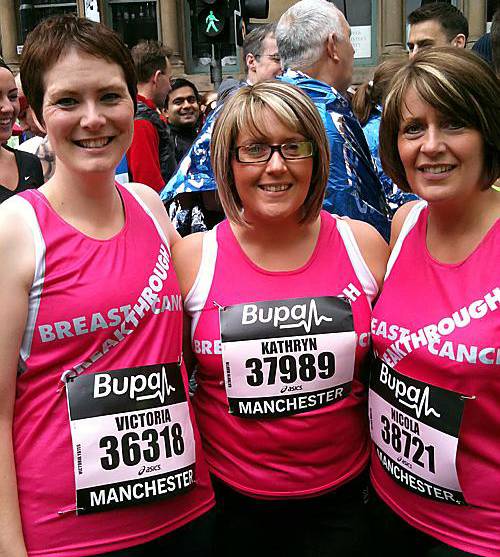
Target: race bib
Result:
[[132, 437], [415, 427], [285, 357]]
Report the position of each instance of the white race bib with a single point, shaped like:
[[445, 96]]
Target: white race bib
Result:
[[285, 357], [415, 427], [132, 437]]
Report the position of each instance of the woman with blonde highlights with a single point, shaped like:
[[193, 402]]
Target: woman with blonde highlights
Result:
[[434, 393], [279, 297]]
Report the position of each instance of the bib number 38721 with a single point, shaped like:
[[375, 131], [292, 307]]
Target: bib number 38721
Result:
[[132, 437], [415, 427]]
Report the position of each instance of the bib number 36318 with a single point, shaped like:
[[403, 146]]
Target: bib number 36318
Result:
[[132, 437]]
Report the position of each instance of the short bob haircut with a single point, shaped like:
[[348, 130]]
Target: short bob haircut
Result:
[[460, 86], [248, 110], [55, 37]]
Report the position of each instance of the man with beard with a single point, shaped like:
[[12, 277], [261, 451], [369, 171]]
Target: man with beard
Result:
[[183, 111]]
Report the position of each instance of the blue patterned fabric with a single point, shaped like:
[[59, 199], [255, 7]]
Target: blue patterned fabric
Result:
[[194, 172], [393, 195], [353, 189], [121, 172]]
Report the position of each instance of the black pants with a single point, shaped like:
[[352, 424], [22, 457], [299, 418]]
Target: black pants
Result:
[[393, 537], [195, 539], [335, 524]]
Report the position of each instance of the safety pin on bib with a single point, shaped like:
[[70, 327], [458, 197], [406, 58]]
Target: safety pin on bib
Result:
[[68, 375]]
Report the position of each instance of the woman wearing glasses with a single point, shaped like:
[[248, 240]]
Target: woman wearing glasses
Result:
[[279, 297]]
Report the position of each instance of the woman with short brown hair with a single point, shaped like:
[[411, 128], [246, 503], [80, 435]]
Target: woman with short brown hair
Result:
[[434, 411], [99, 450]]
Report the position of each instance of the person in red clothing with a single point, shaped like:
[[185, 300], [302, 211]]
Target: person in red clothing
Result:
[[151, 156]]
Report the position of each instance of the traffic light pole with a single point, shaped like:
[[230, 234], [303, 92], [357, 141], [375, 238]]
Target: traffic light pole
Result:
[[216, 67]]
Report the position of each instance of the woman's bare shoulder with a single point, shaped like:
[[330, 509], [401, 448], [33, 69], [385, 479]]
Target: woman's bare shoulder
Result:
[[372, 246], [17, 248]]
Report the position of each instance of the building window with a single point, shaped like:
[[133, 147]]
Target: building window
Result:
[[133, 21], [31, 12], [361, 15]]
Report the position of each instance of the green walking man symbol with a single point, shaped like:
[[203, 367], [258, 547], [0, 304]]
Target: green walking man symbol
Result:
[[210, 21]]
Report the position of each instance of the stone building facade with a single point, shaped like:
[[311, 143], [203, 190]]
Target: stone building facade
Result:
[[378, 28]]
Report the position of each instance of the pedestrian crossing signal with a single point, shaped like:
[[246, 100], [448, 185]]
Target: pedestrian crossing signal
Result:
[[212, 18]]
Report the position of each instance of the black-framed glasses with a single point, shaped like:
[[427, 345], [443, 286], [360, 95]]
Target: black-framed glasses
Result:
[[262, 152]]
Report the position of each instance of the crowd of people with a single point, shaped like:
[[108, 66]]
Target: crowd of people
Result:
[[314, 373]]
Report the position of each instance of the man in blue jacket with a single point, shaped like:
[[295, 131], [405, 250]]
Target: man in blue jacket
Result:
[[314, 44]]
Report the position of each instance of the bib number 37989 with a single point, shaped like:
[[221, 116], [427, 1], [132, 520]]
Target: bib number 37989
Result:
[[132, 437], [285, 357]]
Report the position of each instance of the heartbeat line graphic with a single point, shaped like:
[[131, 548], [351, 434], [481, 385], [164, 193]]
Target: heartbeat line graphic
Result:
[[313, 316], [165, 390], [423, 405]]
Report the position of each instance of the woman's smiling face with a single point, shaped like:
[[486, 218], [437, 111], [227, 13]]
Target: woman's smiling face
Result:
[[9, 104], [441, 157], [88, 113], [276, 189]]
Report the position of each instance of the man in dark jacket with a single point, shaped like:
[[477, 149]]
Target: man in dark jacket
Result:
[[151, 157], [183, 111]]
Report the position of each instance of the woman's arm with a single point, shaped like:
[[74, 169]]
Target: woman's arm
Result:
[[17, 265]]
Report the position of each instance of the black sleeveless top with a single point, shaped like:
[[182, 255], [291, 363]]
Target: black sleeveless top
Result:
[[30, 172]]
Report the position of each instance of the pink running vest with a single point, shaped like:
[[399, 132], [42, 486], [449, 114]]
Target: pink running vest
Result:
[[89, 312], [434, 403], [297, 426]]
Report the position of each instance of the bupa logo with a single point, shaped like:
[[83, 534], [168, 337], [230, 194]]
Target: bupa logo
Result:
[[301, 316], [412, 397], [138, 387]]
